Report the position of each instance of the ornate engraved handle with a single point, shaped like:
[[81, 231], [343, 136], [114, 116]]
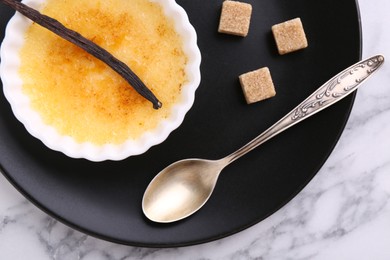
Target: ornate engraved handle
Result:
[[338, 87], [329, 93]]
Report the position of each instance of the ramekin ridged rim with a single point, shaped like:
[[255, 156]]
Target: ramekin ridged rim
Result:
[[20, 103]]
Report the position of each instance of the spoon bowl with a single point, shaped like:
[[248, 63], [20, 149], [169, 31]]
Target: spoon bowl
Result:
[[184, 187], [188, 180]]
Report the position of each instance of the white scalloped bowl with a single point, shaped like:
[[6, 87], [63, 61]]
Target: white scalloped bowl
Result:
[[20, 103]]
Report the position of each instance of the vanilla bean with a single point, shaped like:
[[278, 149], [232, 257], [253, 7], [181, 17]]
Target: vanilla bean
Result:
[[87, 45]]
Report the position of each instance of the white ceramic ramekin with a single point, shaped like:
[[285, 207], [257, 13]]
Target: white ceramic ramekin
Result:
[[20, 103]]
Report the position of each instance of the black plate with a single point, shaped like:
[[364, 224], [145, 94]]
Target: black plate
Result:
[[104, 199]]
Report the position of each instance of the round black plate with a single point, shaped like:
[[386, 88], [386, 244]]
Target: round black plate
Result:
[[104, 199]]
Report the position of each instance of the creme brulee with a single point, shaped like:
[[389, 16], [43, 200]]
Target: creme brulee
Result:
[[84, 98]]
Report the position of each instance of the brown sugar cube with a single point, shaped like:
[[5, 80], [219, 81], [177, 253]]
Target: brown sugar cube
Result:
[[289, 36], [235, 18], [257, 85]]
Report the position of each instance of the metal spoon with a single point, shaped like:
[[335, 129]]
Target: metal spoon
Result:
[[183, 187]]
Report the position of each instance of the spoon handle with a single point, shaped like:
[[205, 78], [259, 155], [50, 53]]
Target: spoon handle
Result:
[[329, 93]]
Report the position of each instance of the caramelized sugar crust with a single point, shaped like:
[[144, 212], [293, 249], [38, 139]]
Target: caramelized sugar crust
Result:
[[81, 96]]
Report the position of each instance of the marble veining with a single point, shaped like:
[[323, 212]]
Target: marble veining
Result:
[[343, 213]]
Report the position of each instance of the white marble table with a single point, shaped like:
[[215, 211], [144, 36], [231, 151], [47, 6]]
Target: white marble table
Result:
[[344, 213]]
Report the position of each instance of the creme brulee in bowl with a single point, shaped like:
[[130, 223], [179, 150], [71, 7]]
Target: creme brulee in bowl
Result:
[[76, 104]]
